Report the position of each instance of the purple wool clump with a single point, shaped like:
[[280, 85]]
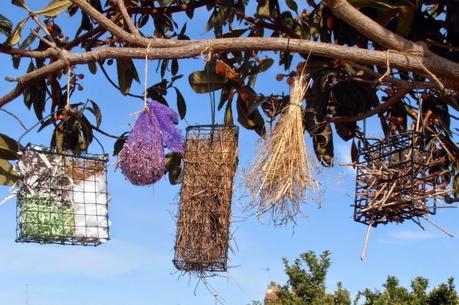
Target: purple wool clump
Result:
[[167, 119], [142, 157]]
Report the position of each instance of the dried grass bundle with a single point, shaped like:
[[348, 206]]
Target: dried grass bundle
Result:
[[282, 175], [211, 155]]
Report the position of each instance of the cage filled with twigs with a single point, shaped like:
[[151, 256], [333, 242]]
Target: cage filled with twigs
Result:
[[62, 198], [395, 181], [204, 216]]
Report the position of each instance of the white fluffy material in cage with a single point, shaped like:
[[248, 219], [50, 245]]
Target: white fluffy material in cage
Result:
[[90, 208]]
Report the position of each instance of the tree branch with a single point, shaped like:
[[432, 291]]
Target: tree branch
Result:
[[434, 65], [126, 17], [369, 28], [377, 110], [193, 48], [120, 33]]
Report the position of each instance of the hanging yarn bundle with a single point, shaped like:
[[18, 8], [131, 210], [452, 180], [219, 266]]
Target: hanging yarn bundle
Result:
[[282, 175], [142, 157]]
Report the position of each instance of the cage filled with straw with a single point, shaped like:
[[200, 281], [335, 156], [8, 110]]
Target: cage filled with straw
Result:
[[62, 198], [204, 216], [282, 176], [395, 181]]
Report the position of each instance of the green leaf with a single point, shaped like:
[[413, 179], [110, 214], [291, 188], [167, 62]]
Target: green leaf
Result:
[[181, 105], [173, 163], [16, 34], [203, 82], [265, 64], [174, 67], [292, 5], [24, 45], [21, 3], [92, 67], [97, 113], [8, 175], [5, 26], [8, 147], [405, 20], [54, 8], [229, 114], [119, 144], [126, 74], [235, 33], [263, 8], [354, 153]]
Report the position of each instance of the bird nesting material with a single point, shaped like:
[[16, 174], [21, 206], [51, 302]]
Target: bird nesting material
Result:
[[282, 177], [142, 157], [210, 161], [394, 180], [61, 198]]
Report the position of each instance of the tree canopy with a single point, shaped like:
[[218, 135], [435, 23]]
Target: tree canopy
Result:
[[363, 58], [306, 284]]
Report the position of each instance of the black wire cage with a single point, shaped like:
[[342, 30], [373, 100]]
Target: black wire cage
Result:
[[204, 216], [393, 183], [62, 198]]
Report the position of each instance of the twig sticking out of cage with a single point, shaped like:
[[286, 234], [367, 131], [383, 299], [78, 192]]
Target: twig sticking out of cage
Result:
[[204, 216], [282, 174]]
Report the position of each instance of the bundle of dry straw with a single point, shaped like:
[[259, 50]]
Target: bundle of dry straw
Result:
[[282, 175]]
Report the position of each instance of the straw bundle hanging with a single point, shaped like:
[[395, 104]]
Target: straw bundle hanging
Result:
[[282, 175]]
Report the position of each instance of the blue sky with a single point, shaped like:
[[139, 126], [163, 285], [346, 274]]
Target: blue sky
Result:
[[135, 266]]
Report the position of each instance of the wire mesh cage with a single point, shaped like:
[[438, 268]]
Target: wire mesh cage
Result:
[[62, 198], [393, 182], [210, 161]]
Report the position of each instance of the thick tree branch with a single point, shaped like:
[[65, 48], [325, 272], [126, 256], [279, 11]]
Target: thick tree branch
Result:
[[377, 110], [369, 28], [405, 62], [434, 65]]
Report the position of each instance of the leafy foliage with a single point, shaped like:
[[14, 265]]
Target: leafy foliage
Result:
[[306, 285], [338, 87]]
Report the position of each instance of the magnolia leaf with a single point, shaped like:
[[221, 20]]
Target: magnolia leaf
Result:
[[21, 3], [265, 64], [119, 144], [16, 34], [229, 114], [354, 153], [54, 8], [263, 8], [181, 105], [173, 164], [203, 82], [8, 148], [5, 26], [97, 113], [126, 74], [292, 5], [8, 175]]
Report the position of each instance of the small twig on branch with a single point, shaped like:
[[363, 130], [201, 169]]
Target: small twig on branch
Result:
[[15, 117]]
